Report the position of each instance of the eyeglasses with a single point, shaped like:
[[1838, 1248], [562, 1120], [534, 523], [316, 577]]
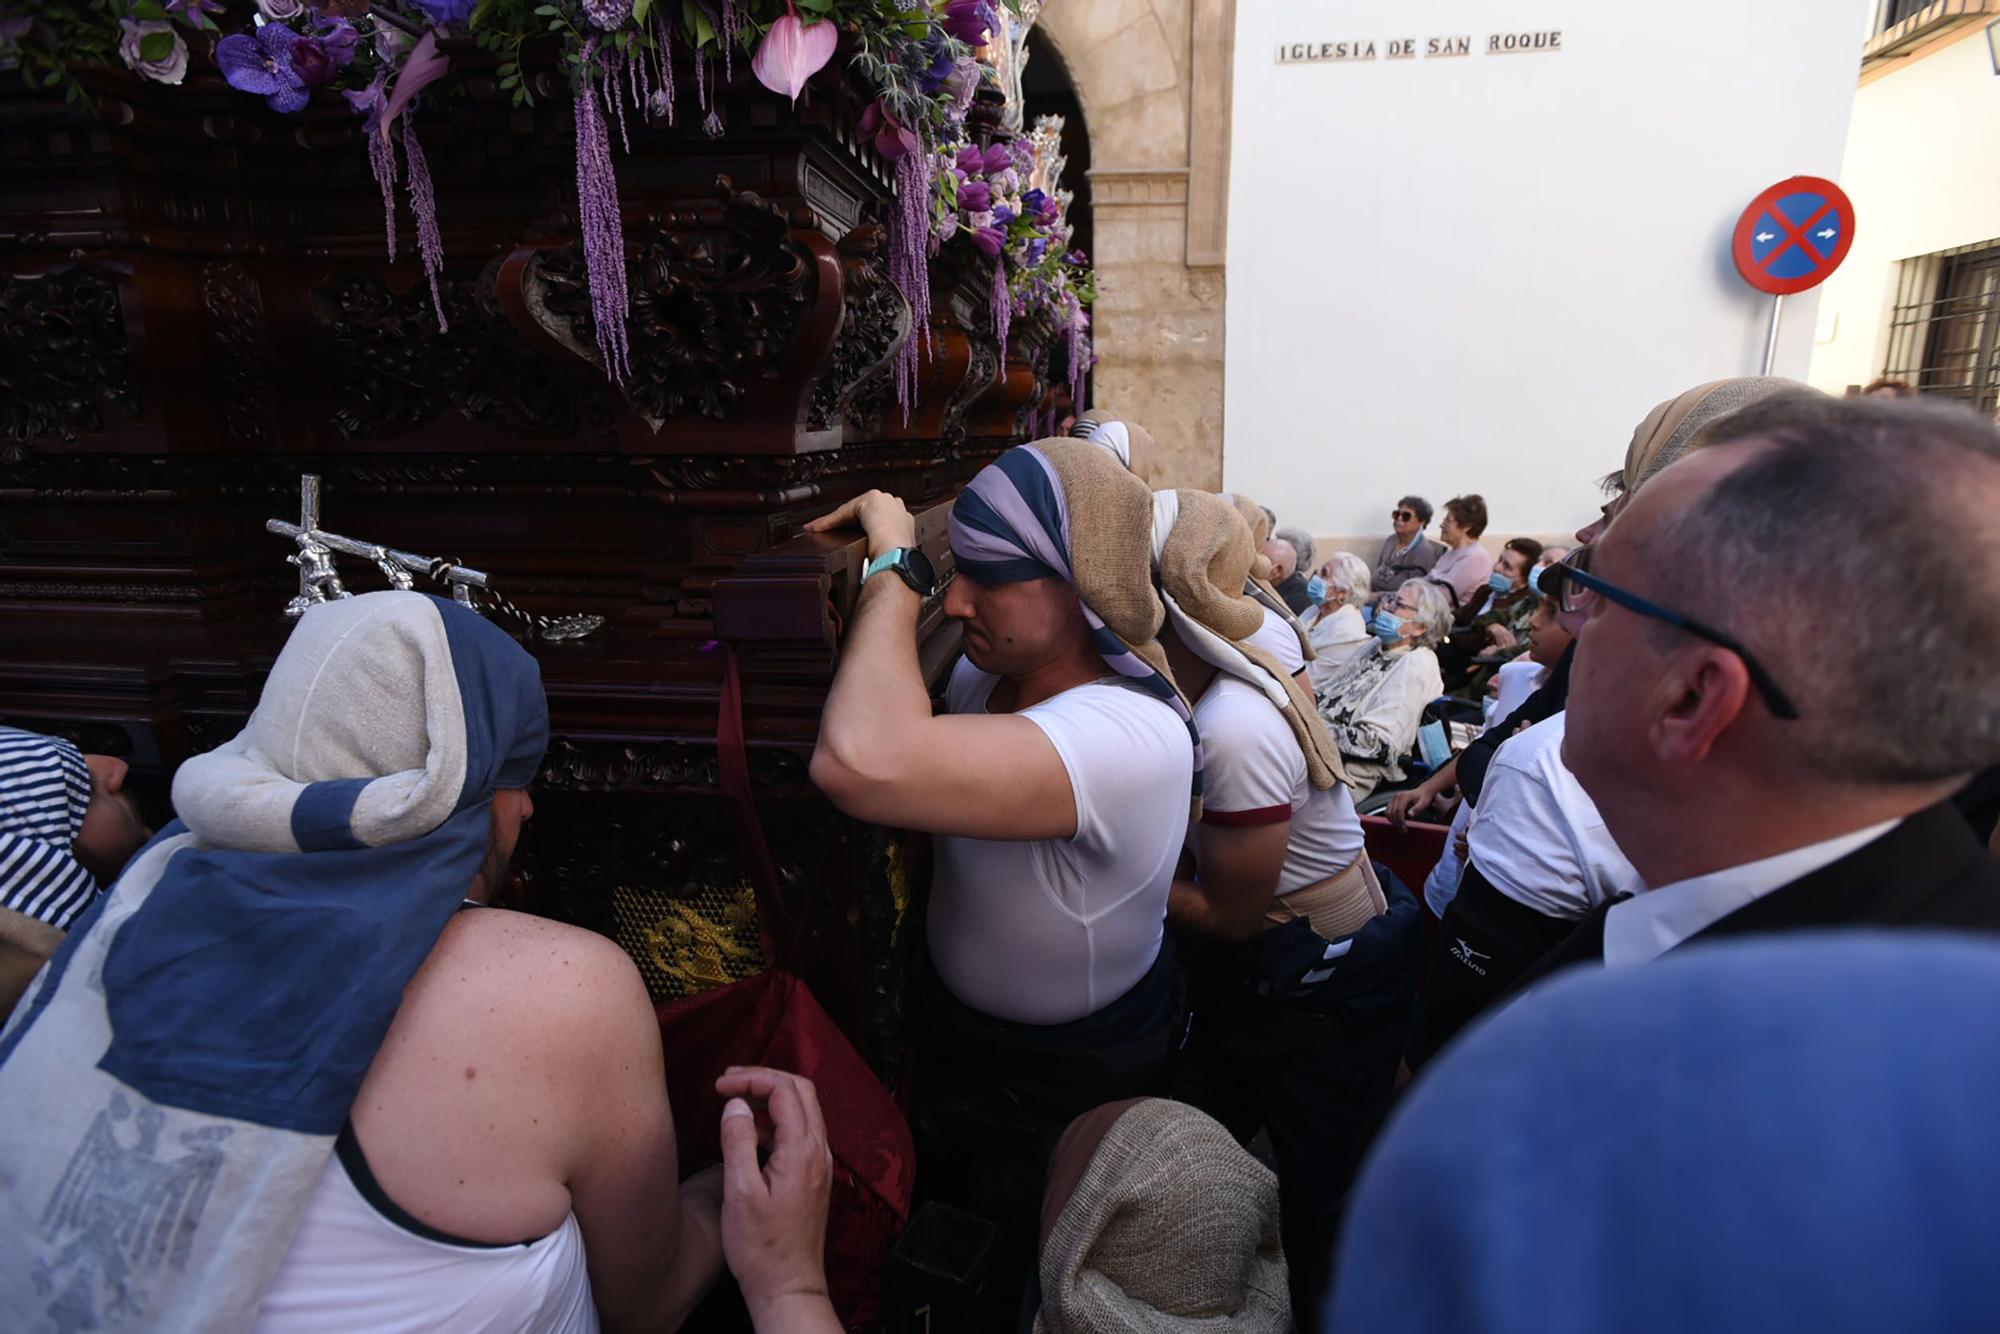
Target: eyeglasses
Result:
[[1574, 588], [1402, 516]]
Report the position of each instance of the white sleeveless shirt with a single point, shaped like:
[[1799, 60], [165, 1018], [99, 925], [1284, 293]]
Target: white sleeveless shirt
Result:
[[351, 1267]]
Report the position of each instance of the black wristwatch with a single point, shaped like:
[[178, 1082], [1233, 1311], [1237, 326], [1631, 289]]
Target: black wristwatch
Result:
[[911, 564]]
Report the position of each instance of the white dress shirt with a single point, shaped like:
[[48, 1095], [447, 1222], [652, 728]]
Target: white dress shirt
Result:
[[1643, 928]]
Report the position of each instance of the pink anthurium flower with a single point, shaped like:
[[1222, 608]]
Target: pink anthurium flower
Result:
[[792, 52]]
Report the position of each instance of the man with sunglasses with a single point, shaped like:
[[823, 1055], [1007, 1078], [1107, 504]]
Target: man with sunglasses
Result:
[[1406, 553], [1763, 761]]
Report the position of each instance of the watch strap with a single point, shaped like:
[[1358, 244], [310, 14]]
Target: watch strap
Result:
[[888, 560]]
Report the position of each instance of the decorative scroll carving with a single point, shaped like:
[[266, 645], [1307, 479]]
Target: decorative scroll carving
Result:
[[90, 738], [873, 324], [712, 312], [985, 364], [235, 310], [393, 371], [63, 354]]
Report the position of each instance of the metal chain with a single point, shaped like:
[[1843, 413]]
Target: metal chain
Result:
[[551, 628]]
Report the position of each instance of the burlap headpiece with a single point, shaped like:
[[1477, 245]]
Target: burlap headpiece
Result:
[[1665, 433], [1201, 552], [1172, 1227]]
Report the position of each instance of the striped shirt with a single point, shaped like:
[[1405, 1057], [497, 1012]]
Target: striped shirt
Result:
[[45, 791]]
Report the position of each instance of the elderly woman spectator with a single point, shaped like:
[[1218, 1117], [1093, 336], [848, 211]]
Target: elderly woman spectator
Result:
[[1335, 622], [1292, 587], [1550, 556], [1374, 703], [1498, 631], [1407, 553], [1466, 561]]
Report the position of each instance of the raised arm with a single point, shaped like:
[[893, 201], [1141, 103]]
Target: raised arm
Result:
[[883, 757]]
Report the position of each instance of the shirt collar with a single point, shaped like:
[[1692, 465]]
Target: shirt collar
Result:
[[1642, 928]]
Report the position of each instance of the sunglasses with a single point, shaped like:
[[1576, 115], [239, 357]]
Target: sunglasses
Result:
[[1400, 515], [1574, 588]]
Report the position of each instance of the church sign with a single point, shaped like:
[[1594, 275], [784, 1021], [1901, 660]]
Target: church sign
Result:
[[1412, 48]]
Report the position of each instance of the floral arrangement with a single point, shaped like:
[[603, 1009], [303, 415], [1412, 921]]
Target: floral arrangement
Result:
[[619, 58], [991, 199]]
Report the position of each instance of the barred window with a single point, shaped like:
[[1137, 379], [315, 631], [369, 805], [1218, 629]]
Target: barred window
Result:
[[1944, 332]]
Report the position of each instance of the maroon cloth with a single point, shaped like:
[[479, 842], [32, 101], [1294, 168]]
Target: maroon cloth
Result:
[[773, 1019]]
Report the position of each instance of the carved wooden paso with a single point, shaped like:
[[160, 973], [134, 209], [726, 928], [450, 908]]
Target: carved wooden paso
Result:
[[195, 309]]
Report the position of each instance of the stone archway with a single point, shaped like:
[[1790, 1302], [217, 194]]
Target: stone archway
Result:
[[1153, 77]]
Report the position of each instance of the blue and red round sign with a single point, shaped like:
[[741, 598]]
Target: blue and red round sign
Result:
[[1794, 235]]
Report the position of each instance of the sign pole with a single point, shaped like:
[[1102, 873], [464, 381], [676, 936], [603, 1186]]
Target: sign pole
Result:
[[1771, 339]]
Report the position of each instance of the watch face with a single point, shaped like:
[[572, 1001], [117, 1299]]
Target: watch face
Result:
[[921, 573]]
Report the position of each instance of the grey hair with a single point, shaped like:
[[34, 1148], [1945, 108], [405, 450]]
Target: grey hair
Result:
[[1434, 610], [1350, 575], [1771, 553], [1302, 543], [1421, 507]]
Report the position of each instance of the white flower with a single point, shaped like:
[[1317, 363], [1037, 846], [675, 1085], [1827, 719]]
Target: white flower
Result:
[[169, 68]]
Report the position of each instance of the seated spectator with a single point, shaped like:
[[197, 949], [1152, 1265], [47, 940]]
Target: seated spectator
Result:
[[1780, 1134], [1283, 559], [1335, 624], [1057, 785], [1809, 775], [1515, 681], [1498, 631], [67, 828], [1155, 1219], [1551, 555], [336, 1100], [1406, 553], [1374, 703], [1466, 563], [1293, 587]]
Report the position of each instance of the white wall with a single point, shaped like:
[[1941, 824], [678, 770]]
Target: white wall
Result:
[[1478, 274], [1920, 170]]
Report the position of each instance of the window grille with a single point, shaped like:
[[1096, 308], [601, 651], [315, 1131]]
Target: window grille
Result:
[[1944, 331]]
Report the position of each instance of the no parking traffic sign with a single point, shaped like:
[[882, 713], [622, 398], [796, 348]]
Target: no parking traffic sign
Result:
[[1794, 235]]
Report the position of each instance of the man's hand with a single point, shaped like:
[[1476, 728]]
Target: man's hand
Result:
[[774, 1216], [1407, 806], [883, 517], [1500, 636]]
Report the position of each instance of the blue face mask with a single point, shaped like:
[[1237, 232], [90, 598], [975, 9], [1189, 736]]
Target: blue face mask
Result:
[[1535, 580], [1316, 589], [1387, 627], [1499, 583]]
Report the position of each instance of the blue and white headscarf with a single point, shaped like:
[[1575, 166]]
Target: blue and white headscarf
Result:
[[172, 1083], [1012, 524], [44, 795]]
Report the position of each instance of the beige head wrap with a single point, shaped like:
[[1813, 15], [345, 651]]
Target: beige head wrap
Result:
[[1172, 1227], [1201, 550], [1664, 435]]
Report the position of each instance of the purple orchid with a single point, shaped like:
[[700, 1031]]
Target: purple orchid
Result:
[[792, 52], [969, 20], [263, 64], [975, 196], [990, 240]]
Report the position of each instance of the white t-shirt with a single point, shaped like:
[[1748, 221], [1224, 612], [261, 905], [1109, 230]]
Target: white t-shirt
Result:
[[1536, 834], [1277, 637], [1051, 930], [1518, 679], [1253, 772]]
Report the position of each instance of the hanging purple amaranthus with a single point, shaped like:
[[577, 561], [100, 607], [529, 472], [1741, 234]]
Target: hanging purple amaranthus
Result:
[[603, 227], [423, 203], [1003, 304], [909, 265]]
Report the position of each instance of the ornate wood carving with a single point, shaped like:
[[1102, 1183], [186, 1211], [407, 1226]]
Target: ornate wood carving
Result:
[[235, 310], [63, 354]]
